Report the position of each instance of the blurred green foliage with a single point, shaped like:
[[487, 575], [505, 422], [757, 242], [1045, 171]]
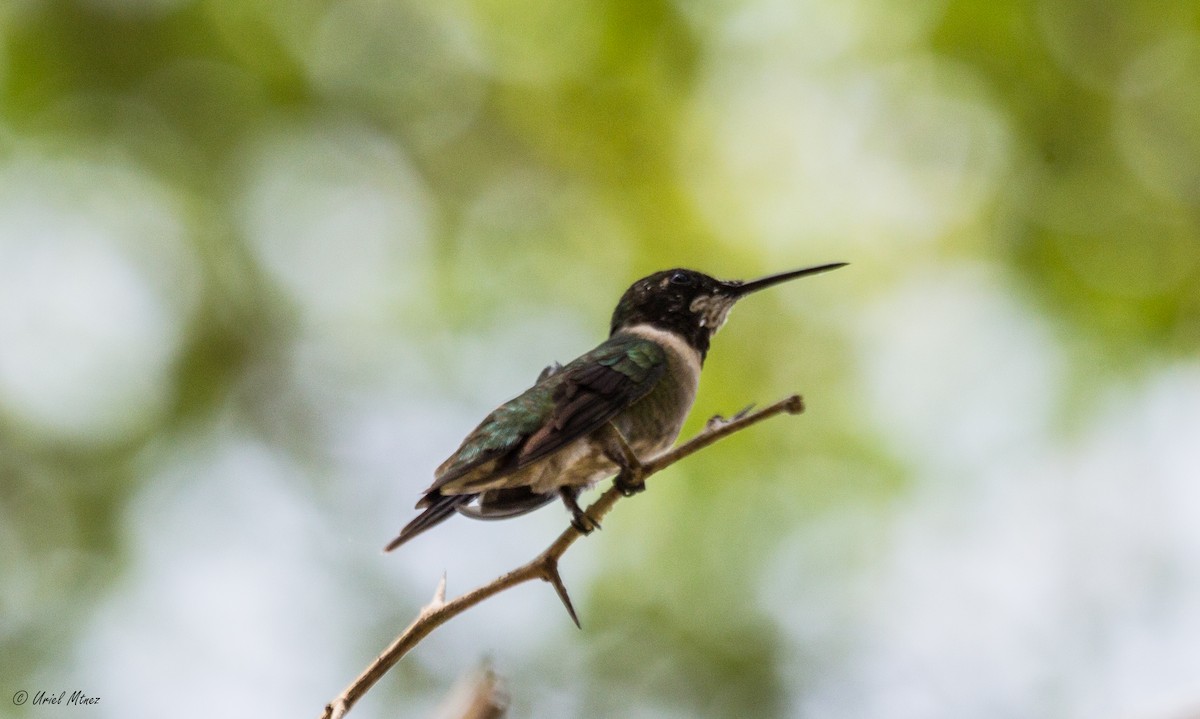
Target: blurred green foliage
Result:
[[543, 155]]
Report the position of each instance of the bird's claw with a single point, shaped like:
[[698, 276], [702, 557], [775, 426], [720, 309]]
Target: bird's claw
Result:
[[580, 520], [584, 523], [629, 487]]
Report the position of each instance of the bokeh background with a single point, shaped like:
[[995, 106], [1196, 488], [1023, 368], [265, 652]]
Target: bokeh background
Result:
[[263, 264]]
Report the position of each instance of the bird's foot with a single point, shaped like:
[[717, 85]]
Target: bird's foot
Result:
[[584, 524], [630, 479], [628, 485], [580, 520]]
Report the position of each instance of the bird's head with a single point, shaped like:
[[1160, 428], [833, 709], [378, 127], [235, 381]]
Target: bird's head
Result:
[[692, 304]]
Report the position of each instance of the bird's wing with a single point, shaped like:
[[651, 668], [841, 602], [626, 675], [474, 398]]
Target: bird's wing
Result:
[[594, 392], [567, 405], [490, 450]]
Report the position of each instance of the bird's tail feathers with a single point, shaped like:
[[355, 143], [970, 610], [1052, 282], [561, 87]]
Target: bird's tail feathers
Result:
[[439, 510]]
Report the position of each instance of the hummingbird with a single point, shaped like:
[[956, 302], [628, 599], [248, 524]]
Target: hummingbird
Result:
[[596, 415]]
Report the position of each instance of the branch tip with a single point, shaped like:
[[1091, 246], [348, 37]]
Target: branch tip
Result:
[[794, 404]]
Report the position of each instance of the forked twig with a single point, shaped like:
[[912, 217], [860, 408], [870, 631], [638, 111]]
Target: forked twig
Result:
[[545, 565]]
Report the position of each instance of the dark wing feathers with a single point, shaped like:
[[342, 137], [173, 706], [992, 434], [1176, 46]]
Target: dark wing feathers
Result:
[[564, 405], [570, 403], [498, 437], [594, 392]]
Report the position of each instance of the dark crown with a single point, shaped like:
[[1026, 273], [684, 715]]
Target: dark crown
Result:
[[691, 304]]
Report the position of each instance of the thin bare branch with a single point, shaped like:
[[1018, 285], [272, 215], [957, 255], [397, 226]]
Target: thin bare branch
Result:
[[545, 565]]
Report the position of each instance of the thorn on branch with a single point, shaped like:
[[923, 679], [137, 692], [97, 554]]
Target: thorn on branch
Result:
[[439, 598], [439, 594], [549, 572], [717, 421]]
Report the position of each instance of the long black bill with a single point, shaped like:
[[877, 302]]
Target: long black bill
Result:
[[741, 289]]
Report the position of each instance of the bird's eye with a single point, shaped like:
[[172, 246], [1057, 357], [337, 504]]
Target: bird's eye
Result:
[[681, 278]]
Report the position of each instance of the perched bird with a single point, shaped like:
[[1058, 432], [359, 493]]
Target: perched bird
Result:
[[626, 399]]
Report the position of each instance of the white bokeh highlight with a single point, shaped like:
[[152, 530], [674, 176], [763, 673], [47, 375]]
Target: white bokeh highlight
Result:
[[339, 218], [97, 283], [957, 373], [1016, 566], [794, 138]]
